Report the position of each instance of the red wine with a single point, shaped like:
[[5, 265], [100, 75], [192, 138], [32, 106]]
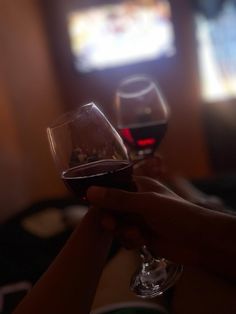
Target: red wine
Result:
[[144, 137], [109, 173]]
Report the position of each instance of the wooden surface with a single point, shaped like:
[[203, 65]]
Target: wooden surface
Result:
[[30, 100]]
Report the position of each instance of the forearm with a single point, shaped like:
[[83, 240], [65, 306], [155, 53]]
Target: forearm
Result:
[[220, 246], [212, 235], [70, 283]]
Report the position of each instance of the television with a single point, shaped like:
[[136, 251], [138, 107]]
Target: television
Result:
[[104, 36]]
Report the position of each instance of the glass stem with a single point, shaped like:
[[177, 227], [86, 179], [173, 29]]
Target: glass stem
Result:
[[146, 255]]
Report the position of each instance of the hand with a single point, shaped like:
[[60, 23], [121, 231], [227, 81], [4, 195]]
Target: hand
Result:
[[188, 191], [172, 227], [152, 167], [163, 215]]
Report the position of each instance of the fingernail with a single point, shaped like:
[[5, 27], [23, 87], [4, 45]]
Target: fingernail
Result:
[[96, 193]]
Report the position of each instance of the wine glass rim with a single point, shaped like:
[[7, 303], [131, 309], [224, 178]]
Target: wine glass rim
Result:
[[70, 116], [135, 78]]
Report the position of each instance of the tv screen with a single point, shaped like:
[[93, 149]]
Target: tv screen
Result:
[[128, 32]]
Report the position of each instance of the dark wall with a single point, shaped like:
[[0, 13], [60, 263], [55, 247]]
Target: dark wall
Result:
[[29, 100], [220, 128]]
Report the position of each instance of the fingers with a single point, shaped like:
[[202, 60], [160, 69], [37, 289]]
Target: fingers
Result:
[[109, 223], [176, 251], [128, 235], [119, 200], [150, 167], [134, 237], [146, 184]]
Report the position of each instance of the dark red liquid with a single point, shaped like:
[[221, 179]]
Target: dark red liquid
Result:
[[108, 173], [144, 137]]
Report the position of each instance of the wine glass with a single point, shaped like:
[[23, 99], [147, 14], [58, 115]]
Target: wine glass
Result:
[[142, 114], [142, 118], [88, 151]]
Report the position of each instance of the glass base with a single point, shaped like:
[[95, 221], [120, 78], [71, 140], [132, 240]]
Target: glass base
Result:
[[154, 278]]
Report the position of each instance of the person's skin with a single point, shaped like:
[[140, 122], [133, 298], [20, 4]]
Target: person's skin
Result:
[[173, 227], [70, 283], [154, 167], [200, 239]]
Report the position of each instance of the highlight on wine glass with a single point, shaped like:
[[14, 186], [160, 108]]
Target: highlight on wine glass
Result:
[[88, 151], [142, 114]]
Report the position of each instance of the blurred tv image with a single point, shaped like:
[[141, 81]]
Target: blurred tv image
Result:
[[112, 35]]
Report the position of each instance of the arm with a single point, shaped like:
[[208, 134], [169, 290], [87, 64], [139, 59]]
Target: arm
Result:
[[69, 285], [175, 228], [154, 167]]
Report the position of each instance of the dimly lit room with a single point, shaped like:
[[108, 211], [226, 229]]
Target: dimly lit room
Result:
[[118, 187]]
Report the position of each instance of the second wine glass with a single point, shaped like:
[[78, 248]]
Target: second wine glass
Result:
[[142, 118], [142, 114]]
